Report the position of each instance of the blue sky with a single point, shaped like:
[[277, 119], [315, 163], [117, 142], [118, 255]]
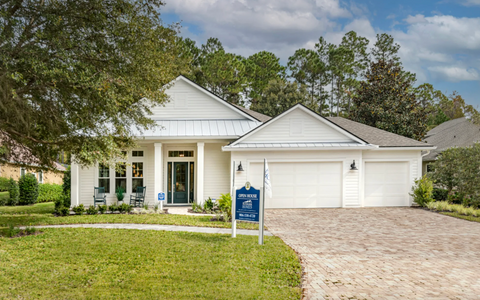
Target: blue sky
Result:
[[440, 40]]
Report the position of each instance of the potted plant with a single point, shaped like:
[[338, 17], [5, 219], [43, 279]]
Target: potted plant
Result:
[[120, 192]]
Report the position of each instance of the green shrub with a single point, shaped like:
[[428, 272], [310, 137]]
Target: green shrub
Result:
[[113, 208], [79, 210], [225, 204], [92, 210], [102, 209], [28, 186], [125, 208], [48, 192], [63, 211], [120, 193], [66, 186], [440, 194], [208, 205], [422, 191], [14, 193], [4, 184]]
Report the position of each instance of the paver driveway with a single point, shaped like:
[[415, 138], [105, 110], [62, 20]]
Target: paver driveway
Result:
[[382, 253]]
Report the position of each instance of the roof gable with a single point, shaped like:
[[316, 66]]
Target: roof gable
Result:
[[189, 101], [299, 124]]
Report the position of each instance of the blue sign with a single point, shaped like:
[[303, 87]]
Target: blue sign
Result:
[[247, 204], [161, 196]]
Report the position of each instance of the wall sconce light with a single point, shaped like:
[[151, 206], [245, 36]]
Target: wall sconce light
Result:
[[353, 167], [240, 168]]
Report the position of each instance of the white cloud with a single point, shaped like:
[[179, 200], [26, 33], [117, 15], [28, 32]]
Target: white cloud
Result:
[[454, 74], [471, 2]]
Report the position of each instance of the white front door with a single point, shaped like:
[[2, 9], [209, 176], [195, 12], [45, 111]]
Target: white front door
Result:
[[301, 184], [386, 184]]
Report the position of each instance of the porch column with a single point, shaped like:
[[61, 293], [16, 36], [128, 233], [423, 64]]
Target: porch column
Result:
[[157, 173], [200, 171], [74, 185]]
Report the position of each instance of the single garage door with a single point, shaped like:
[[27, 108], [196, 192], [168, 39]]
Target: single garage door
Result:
[[386, 184], [301, 184]]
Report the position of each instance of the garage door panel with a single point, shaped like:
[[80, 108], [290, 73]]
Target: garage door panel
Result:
[[386, 184], [301, 184]]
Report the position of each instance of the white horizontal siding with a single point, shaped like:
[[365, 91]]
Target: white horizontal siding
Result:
[[281, 130], [199, 105], [217, 171]]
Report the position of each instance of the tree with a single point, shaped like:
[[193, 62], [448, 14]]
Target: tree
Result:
[[260, 69], [386, 101], [75, 74], [280, 95], [385, 48]]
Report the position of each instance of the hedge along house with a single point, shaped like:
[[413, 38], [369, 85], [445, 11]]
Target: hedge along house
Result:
[[314, 161]]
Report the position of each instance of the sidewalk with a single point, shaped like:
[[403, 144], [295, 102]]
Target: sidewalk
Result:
[[158, 227]]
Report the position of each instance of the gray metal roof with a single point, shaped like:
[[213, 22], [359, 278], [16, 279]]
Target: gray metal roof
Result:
[[296, 145], [199, 128], [376, 136], [454, 133]]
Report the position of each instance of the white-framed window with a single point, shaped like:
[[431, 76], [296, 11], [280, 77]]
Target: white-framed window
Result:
[[137, 153], [121, 176], [104, 177], [23, 171], [137, 175], [40, 176], [180, 153]]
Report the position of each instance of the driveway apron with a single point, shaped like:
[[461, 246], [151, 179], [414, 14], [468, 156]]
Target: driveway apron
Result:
[[382, 253]]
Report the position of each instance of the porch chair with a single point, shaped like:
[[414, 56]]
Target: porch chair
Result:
[[139, 198], [99, 196]]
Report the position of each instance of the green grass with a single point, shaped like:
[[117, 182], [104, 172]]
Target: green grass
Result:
[[41, 214], [4, 195], [460, 216], [66, 263]]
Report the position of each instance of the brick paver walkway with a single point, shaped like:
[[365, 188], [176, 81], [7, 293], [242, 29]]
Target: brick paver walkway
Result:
[[382, 253]]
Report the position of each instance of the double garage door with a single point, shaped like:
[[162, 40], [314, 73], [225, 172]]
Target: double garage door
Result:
[[319, 184]]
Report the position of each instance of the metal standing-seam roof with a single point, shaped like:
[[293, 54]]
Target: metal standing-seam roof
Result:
[[199, 128]]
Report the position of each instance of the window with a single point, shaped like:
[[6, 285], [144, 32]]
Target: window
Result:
[[104, 177], [121, 176], [40, 176], [22, 172], [429, 168], [180, 153], [137, 153], [137, 175]]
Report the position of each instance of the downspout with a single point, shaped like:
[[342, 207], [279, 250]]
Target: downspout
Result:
[[428, 152]]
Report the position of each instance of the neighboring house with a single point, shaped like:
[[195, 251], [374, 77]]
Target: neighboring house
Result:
[[454, 133], [190, 157], [51, 176]]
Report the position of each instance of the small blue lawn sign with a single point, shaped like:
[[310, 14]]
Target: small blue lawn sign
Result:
[[247, 204], [161, 196]]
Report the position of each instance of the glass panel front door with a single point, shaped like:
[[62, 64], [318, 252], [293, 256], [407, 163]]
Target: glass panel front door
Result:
[[180, 182]]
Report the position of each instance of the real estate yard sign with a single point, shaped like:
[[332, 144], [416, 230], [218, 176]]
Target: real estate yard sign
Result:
[[247, 204]]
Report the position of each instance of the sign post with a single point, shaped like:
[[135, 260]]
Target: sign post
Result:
[[246, 206], [161, 198]]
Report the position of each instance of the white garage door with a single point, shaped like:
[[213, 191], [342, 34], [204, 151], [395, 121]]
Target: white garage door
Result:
[[301, 185], [386, 184]]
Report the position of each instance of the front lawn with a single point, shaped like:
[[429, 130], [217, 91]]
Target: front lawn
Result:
[[457, 215], [110, 264], [41, 214]]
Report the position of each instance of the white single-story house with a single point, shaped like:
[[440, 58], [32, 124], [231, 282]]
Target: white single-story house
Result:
[[314, 161]]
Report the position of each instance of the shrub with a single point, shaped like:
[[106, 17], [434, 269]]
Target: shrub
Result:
[[64, 211], [125, 208], [66, 186], [208, 205], [4, 184], [28, 186], [102, 209], [49, 192], [67, 200], [120, 192], [92, 210], [440, 194], [79, 210], [113, 208], [422, 191], [455, 197], [14, 192], [225, 204]]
